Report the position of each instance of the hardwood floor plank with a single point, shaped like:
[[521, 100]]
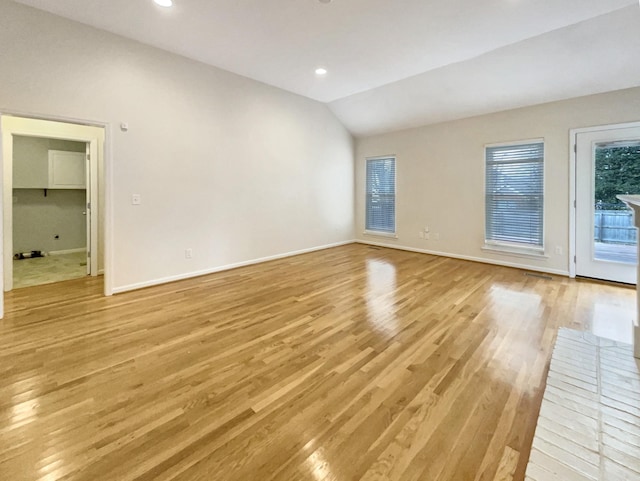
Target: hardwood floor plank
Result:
[[507, 465], [350, 363]]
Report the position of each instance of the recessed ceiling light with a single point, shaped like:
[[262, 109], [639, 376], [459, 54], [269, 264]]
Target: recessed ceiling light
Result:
[[325, 1], [164, 3], [321, 71]]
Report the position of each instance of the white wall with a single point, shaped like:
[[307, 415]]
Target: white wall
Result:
[[37, 220], [234, 169], [440, 174]]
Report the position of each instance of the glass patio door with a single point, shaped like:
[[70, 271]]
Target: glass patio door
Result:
[[607, 164]]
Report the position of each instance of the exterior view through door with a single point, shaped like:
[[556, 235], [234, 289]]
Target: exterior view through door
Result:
[[607, 164]]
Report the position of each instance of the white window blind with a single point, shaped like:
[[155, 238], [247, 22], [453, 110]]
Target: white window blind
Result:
[[381, 195], [514, 190]]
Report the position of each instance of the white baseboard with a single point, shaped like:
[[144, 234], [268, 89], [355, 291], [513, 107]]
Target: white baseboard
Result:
[[67, 251], [468, 258], [188, 275]]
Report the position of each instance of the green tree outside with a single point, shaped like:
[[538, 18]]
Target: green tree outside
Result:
[[617, 171]]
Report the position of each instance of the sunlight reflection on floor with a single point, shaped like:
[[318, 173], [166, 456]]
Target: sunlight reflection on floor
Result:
[[613, 322], [380, 296]]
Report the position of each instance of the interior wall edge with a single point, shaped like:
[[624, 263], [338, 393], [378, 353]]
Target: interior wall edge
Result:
[[227, 267], [482, 260]]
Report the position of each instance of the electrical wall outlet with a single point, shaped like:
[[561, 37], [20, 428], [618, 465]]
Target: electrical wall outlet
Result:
[[136, 199], [426, 235], [188, 253], [559, 250]]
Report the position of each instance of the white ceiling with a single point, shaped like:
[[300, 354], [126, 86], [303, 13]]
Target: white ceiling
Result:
[[594, 56], [393, 63]]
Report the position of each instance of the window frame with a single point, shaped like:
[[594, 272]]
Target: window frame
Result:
[[517, 248], [374, 232]]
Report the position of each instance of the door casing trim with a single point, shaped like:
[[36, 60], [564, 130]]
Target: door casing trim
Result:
[[107, 232]]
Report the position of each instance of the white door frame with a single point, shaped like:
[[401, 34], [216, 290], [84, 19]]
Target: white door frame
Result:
[[572, 182], [88, 199], [34, 126]]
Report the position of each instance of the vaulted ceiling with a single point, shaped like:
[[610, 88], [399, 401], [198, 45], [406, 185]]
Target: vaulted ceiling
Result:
[[394, 64]]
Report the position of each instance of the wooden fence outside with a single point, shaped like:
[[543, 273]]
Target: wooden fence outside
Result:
[[614, 227]]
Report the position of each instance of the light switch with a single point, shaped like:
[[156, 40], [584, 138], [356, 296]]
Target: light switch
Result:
[[136, 199]]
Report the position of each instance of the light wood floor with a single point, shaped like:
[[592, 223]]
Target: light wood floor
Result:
[[354, 363]]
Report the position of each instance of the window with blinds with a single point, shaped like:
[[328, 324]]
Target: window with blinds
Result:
[[514, 195], [381, 195]]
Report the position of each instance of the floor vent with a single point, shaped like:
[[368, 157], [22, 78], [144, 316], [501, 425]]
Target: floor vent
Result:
[[539, 276]]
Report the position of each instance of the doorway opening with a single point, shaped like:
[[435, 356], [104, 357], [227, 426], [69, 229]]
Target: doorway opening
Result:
[[50, 224], [606, 164], [53, 201]]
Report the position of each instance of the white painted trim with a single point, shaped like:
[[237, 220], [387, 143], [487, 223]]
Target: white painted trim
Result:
[[572, 201], [375, 233], [67, 251], [599, 128], [54, 118], [381, 157], [507, 250], [7, 211], [107, 234], [93, 190], [573, 140], [514, 143], [2, 193], [467, 258], [204, 272]]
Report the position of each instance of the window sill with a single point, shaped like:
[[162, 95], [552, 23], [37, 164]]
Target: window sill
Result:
[[393, 235], [530, 252]]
